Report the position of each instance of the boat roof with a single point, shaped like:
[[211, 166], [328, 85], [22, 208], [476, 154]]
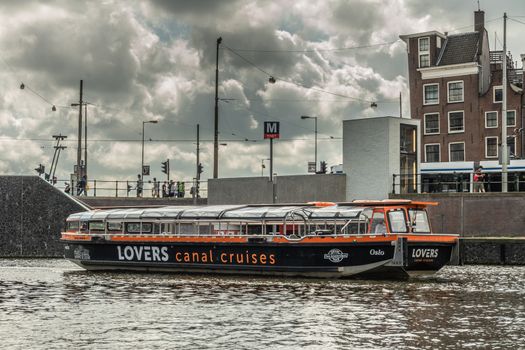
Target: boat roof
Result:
[[313, 210]]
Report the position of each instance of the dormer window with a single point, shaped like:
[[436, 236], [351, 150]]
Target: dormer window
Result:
[[424, 52]]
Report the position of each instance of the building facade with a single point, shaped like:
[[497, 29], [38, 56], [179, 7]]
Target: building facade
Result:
[[456, 92]]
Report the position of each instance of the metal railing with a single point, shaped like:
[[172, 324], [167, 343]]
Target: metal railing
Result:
[[455, 182], [128, 188]]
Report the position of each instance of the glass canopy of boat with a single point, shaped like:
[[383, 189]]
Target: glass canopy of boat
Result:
[[306, 219], [222, 212]]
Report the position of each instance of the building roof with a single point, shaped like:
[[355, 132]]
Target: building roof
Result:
[[460, 48]]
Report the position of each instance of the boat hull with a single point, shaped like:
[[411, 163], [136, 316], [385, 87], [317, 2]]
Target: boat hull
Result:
[[385, 259]]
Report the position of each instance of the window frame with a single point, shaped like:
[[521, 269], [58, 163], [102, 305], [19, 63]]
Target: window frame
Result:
[[425, 103], [439, 152], [494, 88], [513, 125], [448, 122], [390, 220], [462, 91], [423, 52], [141, 225], [449, 153], [425, 124], [497, 120], [486, 147]]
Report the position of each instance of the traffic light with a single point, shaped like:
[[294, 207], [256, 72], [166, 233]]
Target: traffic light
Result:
[[40, 170], [165, 167], [200, 168], [323, 167]]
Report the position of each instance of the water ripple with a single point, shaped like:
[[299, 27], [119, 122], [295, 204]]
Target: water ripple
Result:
[[50, 304]]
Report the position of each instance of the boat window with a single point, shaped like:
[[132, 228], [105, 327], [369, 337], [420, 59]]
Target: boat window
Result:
[[114, 226], [135, 227], [186, 229], [397, 221], [72, 225], [378, 222], [204, 229], [165, 228], [254, 230], [419, 221], [96, 226], [83, 226]]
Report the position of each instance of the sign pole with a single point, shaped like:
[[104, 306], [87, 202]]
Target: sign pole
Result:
[[271, 131], [271, 160]]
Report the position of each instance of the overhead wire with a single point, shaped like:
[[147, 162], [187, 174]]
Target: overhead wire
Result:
[[293, 82], [318, 50]]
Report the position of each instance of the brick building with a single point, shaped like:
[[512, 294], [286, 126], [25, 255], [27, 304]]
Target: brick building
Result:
[[456, 91]]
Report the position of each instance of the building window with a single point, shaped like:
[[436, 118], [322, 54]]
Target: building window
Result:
[[424, 52], [456, 122], [491, 147], [491, 119], [431, 123], [511, 146], [511, 118], [498, 94], [455, 91], [456, 151], [430, 94], [432, 153]]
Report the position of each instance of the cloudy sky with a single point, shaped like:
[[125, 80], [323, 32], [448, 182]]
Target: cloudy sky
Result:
[[155, 60]]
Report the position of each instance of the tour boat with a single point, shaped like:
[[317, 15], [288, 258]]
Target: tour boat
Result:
[[383, 239]]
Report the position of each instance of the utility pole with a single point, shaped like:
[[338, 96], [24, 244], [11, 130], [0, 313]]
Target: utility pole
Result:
[[56, 154], [85, 140], [79, 147], [198, 170], [504, 151], [216, 129]]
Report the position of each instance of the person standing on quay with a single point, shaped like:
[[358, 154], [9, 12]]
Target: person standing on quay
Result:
[[478, 181], [171, 189], [139, 186], [155, 188], [164, 189], [180, 189], [81, 186]]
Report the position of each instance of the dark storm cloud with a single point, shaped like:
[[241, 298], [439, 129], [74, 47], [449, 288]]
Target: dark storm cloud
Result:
[[357, 17], [196, 7]]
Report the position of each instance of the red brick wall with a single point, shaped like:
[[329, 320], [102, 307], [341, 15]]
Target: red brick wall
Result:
[[474, 107]]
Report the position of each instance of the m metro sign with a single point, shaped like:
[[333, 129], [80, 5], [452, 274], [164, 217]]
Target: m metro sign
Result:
[[271, 130]]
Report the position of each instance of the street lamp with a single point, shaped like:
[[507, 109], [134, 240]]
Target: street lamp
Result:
[[315, 120], [263, 166], [142, 162]]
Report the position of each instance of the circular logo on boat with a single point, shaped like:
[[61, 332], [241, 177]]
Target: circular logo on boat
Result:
[[335, 255]]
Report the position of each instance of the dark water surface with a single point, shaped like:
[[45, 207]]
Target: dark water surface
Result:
[[51, 304]]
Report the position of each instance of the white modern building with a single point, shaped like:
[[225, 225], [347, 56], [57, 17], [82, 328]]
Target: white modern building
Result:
[[376, 151]]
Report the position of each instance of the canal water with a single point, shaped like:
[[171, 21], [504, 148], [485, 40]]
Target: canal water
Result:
[[51, 304]]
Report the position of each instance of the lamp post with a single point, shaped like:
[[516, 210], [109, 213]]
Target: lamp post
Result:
[[142, 161], [216, 116], [263, 166], [85, 104], [315, 120]]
